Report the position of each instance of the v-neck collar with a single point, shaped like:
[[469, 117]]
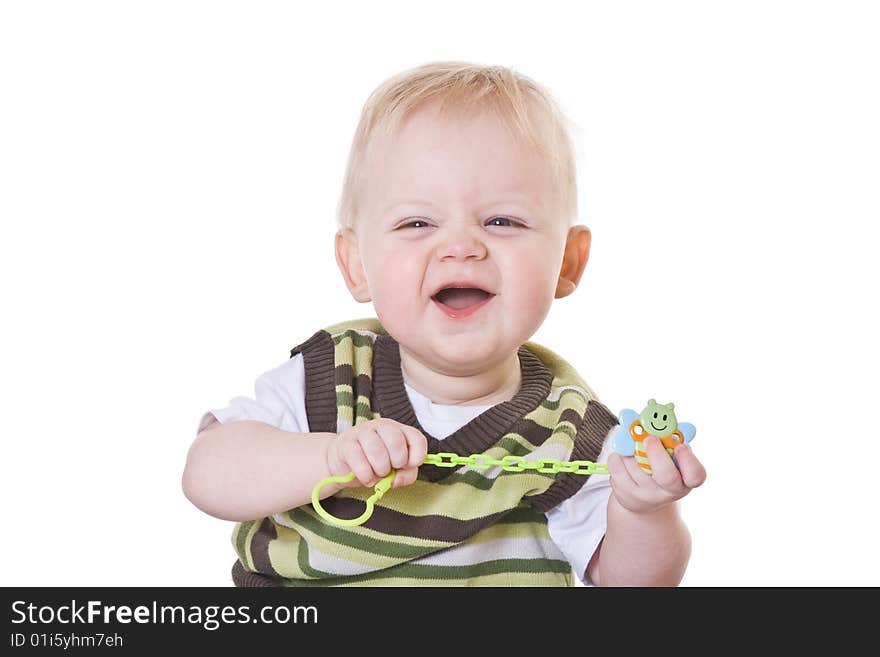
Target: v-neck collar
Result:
[[476, 435]]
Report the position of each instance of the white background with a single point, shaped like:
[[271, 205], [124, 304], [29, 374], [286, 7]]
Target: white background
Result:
[[169, 173]]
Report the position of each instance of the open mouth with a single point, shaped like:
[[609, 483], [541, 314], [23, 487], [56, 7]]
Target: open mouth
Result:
[[461, 298], [461, 301]]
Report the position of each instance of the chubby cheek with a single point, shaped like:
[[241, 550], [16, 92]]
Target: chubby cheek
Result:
[[395, 282], [533, 286], [392, 297]]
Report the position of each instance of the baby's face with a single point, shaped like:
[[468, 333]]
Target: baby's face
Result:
[[457, 202]]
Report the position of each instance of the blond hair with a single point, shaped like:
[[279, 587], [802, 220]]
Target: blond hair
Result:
[[527, 109]]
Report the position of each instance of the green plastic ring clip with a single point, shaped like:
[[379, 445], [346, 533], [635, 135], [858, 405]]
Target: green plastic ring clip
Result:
[[381, 487]]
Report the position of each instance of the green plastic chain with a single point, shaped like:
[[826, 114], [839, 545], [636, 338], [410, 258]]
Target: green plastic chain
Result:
[[509, 463]]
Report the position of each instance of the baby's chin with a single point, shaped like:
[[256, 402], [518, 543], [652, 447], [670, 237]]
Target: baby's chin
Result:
[[463, 354]]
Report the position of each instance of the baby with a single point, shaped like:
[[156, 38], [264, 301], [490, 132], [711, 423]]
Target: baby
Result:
[[457, 221]]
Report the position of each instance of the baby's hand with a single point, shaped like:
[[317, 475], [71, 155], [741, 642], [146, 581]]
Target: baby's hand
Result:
[[640, 492], [373, 448]]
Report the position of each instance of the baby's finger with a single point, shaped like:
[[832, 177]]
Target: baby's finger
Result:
[[666, 475], [692, 471], [395, 443], [359, 464], [639, 476], [417, 445], [405, 477], [620, 474], [376, 452]]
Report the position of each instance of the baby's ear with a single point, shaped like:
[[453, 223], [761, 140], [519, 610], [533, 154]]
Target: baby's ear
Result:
[[349, 260], [574, 259]]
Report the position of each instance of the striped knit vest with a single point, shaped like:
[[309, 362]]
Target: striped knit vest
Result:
[[454, 526]]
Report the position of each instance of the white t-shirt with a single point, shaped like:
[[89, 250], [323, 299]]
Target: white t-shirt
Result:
[[576, 525]]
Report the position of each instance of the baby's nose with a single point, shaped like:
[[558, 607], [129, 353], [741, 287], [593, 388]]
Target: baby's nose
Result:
[[461, 243]]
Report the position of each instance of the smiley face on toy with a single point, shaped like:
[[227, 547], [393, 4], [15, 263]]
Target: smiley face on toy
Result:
[[655, 420], [659, 419]]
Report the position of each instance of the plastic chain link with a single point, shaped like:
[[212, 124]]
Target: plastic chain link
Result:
[[509, 463]]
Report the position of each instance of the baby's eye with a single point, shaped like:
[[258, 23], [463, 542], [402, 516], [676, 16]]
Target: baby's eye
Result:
[[510, 222], [421, 224]]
